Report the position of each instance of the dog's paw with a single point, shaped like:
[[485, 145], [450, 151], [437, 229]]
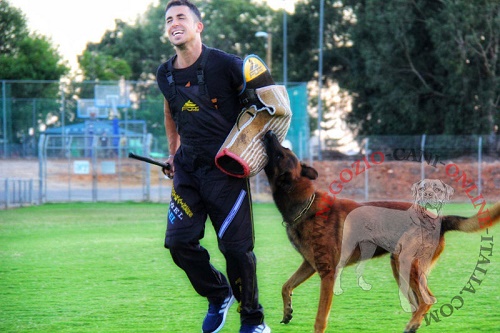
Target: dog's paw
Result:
[[411, 331], [287, 318], [363, 284], [337, 290]]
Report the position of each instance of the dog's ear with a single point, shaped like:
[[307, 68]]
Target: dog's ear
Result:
[[449, 190], [308, 172], [414, 188]]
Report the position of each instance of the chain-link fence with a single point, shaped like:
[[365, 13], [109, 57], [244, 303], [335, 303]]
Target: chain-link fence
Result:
[[388, 166], [87, 168], [32, 108], [56, 148]]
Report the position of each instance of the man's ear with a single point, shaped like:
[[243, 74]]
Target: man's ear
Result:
[[308, 172], [200, 26]]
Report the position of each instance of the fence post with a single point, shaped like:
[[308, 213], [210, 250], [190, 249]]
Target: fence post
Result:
[[66, 147], [93, 157], [63, 110], [13, 191], [367, 169], [21, 191], [4, 125], [148, 139], [30, 191], [7, 197], [479, 163], [422, 148], [41, 167]]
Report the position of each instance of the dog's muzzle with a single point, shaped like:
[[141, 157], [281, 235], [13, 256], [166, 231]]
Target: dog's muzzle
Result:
[[271, 142]]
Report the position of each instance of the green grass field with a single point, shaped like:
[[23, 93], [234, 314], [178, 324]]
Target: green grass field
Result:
[[102, 268]]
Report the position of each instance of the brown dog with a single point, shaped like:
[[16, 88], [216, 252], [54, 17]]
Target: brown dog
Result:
[[315, 226]]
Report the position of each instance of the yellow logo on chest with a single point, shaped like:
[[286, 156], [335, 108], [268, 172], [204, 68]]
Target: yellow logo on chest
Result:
[[190, 107]]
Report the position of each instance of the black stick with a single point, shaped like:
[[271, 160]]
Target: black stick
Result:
[[149, 160]]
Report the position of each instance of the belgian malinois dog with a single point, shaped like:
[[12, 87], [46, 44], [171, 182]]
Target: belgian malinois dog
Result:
[[315, 226]]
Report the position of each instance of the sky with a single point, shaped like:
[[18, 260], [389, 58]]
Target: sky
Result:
[[71, 24]]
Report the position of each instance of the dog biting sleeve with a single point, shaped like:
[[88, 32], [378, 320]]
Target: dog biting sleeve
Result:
[[243, 153]]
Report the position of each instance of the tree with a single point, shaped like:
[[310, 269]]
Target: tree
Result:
[[33, 58], [143, 45], [246, 18], [422, 66], [411, 67], [467, 45], [137, 45], [26, 56], [13, 28], [104, 67]]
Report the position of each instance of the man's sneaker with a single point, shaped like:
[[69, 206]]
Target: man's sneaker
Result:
[[216, 315], [262, 328]]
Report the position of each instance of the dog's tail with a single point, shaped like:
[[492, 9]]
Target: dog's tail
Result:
[[486, 218]]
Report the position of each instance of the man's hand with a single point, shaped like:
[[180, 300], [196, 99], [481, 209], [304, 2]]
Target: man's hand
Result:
[[169, 172]]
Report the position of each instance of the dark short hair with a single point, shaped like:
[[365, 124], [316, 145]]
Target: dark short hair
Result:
[[189, 4]]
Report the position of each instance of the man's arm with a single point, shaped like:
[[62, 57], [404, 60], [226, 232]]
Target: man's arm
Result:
[[172, 137]]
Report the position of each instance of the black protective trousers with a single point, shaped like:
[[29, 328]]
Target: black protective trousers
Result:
[[201, 190]]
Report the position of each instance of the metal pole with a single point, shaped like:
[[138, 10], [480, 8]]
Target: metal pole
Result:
[[320, 75], [32, 139], [269, 46], [21, 191], [422, 148], [269, 53], [41, 169], [285, 48], [4, 107], [31, 200], [7, 198], [67, 149], [94, 167], [479, 163], [119, 168], [367, 180], [63, 113], [147, 139]]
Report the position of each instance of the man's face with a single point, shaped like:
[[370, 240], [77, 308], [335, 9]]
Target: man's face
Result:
[[181, 25]]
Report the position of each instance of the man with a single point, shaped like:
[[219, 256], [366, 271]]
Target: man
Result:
[[201, 87]]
